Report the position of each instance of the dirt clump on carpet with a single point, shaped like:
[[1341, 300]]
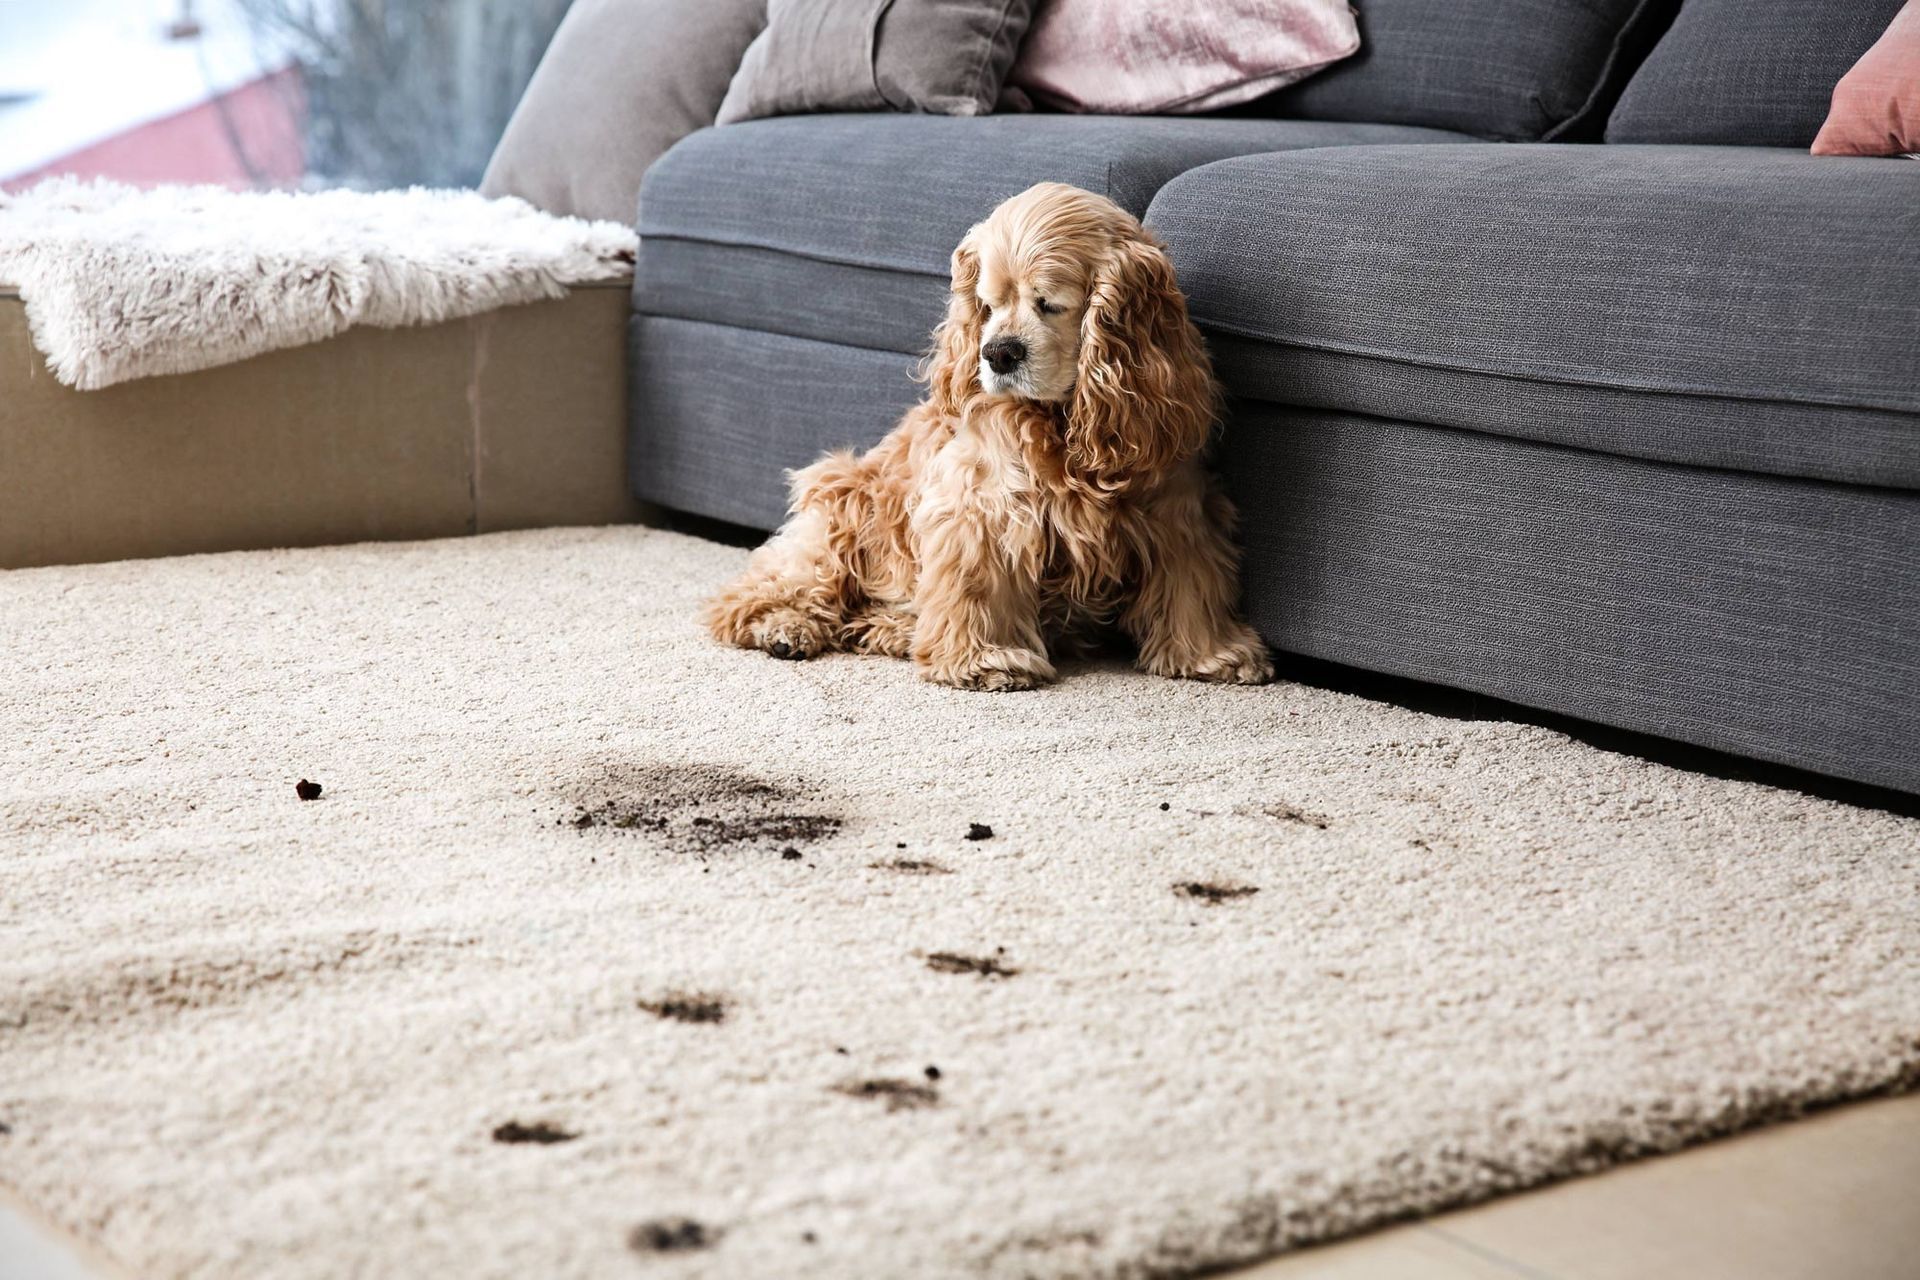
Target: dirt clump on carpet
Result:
[[912, 867], [671, 1235], [899, 1095], [984, 966], [539, 1133], [1213, 894], [682, 1006]]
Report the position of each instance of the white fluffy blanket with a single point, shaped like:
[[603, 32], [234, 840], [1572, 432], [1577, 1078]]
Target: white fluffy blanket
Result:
[[124, 283]]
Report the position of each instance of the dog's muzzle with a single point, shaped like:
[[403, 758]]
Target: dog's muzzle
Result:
[[1003, 355]]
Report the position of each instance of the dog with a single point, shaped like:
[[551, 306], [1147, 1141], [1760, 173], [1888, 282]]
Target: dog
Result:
[[1048, 490]]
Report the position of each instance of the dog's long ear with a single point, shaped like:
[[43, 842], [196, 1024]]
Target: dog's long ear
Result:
[[1144, 397], [952, 368]]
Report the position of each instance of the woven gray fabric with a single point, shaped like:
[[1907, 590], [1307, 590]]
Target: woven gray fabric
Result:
[[1765, 616], [720, 414], [1747, 72], [1707, 295], [1519, 70], [1758, 615], [1851, 446], [841, 227], [946, 56], [780, 292], [900, 190]]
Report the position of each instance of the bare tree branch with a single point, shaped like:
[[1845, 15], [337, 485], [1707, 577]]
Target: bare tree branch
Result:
[[407, 92]]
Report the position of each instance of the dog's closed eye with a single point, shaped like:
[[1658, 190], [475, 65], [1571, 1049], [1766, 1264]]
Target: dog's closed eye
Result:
[[1046, 308]]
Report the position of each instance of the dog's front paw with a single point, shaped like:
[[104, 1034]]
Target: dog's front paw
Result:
[[991, 670], [789, 634], [1240, 660], [1235, 664]]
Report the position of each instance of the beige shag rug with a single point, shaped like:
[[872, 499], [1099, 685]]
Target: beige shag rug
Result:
[[607, 952], [123, 283]]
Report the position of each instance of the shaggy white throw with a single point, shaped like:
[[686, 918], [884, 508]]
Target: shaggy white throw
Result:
[[124, 283], [603, 941]]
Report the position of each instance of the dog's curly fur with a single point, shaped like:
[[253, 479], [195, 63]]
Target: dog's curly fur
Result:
[[1020, 512]]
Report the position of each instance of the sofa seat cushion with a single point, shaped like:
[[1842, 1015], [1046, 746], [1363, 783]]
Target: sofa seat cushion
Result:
[[840, 228], [1730, 307]]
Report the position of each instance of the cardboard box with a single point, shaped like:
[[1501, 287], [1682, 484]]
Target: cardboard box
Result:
[[512, 419]]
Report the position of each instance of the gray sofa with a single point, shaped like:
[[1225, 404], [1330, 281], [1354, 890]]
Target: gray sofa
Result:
[[1592, 418]]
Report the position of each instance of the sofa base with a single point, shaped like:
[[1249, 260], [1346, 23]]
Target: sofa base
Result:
[[1753, 614], [721, 413], [1761, 615], [511, 419]]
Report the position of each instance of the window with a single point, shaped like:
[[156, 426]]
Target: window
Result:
[[263, 93]]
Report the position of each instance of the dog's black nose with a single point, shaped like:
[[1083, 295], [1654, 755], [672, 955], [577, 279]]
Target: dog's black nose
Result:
[[1003, 355]]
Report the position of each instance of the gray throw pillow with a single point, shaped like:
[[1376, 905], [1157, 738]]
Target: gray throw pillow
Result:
[[943, 56], [622, 81]]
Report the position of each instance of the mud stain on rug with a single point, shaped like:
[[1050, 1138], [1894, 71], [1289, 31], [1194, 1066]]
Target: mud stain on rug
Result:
[[993, 966], [898, 1095], [1213, 894], [688, 1006], [672, 1235], [699, 810]]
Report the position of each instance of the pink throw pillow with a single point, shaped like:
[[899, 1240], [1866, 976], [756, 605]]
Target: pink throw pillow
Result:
[[1876, 106], [1130, 58]]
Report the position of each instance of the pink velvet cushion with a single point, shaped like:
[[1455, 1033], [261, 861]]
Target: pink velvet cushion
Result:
[[1876, 106], [1126, 57]]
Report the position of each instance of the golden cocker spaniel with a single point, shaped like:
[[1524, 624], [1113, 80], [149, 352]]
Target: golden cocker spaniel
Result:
[[1048, 488]]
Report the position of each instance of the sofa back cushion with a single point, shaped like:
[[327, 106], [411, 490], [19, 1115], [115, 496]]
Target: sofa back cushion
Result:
[[1517, 70], [947, 57], [1747, 72], [620, 83]]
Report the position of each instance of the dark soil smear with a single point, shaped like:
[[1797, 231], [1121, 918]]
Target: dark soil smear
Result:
[[539, 1132], [899, 1095], [773, 829], [1287, 813], [984, 966], [1213, 894], [699, 809], [687, 1006], [911, 867], [671, 1235]]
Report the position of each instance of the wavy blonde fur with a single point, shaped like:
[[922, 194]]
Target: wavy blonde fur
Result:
[[993, 529]]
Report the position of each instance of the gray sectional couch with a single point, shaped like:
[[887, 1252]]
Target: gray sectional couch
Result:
[[1619, 429]]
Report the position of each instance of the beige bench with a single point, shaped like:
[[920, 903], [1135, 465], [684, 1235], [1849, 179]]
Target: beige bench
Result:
[[513, 419]]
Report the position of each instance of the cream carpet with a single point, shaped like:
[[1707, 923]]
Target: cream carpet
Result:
[[606, 952], [123, 283]]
